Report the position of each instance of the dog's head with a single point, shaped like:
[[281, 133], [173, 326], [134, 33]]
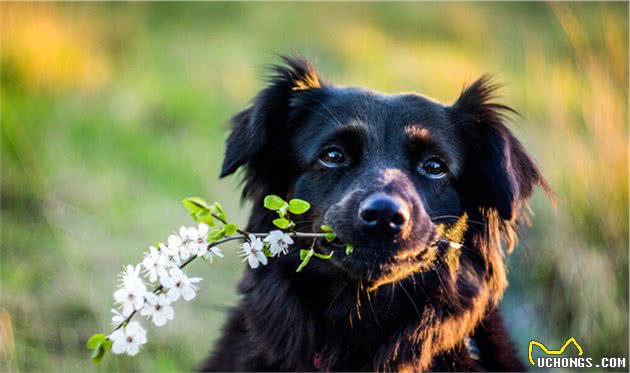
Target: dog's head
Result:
[[396, 176]]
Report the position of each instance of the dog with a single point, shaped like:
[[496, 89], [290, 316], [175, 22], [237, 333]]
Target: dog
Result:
[[429, 196]]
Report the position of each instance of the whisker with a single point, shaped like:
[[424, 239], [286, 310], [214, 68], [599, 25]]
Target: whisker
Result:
[[437, 273], [332, 302], [455, 218], [391, 299], [413, 303], [369, 299]]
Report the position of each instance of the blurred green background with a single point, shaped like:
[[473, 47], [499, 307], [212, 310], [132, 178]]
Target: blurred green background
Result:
[[112, 113]]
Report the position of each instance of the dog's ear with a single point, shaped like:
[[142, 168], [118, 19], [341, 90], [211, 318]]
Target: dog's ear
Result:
[[499, 173], [270, 112]]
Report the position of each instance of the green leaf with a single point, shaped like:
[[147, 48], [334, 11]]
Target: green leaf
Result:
[[220, 211], [298, 206], [107, 344], [216, 235], [230, 229], [349, 249], [199, 210], [94, 341], [281, 223], [330, 236], [194, 204], [204, 216], [306, 257], [322, 256], [97, 355], [326, 228], [273, 202]]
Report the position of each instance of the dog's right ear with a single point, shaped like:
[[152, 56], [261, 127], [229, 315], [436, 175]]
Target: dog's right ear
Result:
[[269, 114]]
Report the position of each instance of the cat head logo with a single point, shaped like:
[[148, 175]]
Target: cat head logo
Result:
[[547, 351]]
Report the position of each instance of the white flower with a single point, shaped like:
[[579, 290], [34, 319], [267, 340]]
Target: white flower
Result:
[[171, 256], [178, 284], [252, 251], [155, 262], [158, 307], [130, 277], [117, 318], [211, 252], [131, 297], [278, 242], [128, 339], [176, 243], [198, 239]]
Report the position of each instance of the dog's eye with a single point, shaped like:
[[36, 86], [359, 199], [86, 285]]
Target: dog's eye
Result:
[[332, 157], [434, 168]]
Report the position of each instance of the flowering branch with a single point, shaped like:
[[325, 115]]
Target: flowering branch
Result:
[[163, 267]]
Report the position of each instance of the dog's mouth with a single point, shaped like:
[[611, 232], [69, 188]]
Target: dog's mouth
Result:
[[376, 273], [376, 266]]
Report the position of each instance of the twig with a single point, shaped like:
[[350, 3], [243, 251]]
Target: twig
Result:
[[243, 235]]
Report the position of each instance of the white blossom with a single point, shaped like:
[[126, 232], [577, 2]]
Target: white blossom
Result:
[[176, 243], [171, 256], [178, 284], [128, 339], [278, 242], [131, 293], [155, 262], [202, 244], [130, 277], [211, 252], [252, 251], [198, 239], [158, 308], [117, 318]]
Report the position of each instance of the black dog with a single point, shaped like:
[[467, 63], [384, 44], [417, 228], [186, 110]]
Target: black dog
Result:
[[428, 194]]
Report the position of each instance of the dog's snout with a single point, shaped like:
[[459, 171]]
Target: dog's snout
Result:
[[384, 211]]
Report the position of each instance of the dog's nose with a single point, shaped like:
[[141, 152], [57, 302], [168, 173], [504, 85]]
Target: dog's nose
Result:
[[384, 211]]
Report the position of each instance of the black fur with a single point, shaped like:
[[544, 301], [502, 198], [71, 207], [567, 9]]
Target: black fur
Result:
[[399, 302]]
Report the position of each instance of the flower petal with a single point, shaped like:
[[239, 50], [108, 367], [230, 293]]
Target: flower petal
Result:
[[133, 328], [132, 349], [183, 232], [174, 242], [141, 337], [118, 347], [172, 295], [193, 234], [252, 261], [169, 312], [127, 309], [203, 229], [159, 319], [262, 258], [118, 335], [188, 293], [121, 295], [166, 280]]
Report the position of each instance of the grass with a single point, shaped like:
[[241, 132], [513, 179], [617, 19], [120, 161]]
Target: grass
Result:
[[112, 113]]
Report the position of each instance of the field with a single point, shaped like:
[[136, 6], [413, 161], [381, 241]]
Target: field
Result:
[[112, 113]]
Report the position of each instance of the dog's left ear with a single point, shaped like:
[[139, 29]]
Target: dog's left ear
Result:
[[499, 174], [269, 113], [259, 141]]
